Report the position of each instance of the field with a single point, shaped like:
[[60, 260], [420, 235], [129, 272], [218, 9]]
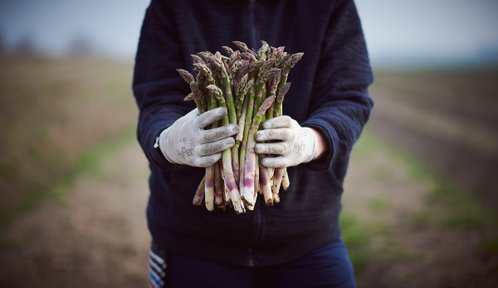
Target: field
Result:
[[56, 117], [421, 190], [447, 119], [69, 170], [419, 201]]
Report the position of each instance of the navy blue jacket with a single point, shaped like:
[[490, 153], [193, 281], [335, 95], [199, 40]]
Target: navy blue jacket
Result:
[[329, 93]]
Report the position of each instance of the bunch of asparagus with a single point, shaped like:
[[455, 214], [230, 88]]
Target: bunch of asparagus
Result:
[[251, 85]]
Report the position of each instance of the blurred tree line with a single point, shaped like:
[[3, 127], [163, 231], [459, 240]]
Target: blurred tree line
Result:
[[78, 45]]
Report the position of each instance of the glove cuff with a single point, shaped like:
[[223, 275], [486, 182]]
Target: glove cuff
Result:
[[162, 143], [311, 140]]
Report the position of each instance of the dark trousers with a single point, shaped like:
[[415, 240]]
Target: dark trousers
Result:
[[328, 266]]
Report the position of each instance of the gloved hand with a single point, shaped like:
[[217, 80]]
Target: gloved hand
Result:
[[291, 144], [187, 142]]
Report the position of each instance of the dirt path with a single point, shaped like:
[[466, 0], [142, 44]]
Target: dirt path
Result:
[[96, 237]]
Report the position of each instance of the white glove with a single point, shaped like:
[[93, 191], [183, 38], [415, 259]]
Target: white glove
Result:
[[186, 142], [291, 144]]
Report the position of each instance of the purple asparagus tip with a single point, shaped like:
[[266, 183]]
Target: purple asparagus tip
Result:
[[189, 78]]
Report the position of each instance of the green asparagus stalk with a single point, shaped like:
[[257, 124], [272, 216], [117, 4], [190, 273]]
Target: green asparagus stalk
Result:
[[265, 173], [247, 125], [281, 176], [253, 70], [273, 85], [280, 172], [242, 92], [228, 176], [225, 80], [273, 91], [204, 186], [265, 185], [219, 189], [263, 76], [242, 107], [242, 122], [247, 189], [209, 190]]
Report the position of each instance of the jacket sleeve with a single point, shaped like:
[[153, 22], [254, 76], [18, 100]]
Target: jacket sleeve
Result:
[[158, 89], [340, 105]]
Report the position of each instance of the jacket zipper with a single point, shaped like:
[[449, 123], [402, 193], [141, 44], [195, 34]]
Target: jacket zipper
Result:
[[257, 212], [250, 258], [257, 235], [252, 24]]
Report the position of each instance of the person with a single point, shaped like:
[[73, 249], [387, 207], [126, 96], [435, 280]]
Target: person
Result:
[[296, 243]]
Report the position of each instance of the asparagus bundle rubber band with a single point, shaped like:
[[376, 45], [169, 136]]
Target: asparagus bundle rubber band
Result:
[[251, 85]]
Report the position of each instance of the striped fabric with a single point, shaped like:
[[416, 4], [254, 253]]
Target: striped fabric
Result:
[[157, 270]]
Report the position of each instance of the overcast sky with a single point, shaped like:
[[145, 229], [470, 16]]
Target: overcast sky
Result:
[[408, 29], [414, 29]]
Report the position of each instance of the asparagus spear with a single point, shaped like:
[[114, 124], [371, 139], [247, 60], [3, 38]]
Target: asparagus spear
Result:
[[254, 69], [247, 125], [242, 105], [228, 176], [243, 47], [265, 185], [189, 78], [273, 90], [206, 74], [199, 193], [245, 85], [229, 51], [196, 95], [209, 188], [225, 80], [242, 122], [218, 187], [273, 85], [250, 163], [265, 73], [287, 65], [280, 172], [263, 51]]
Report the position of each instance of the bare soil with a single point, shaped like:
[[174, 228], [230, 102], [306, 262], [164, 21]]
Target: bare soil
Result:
[[97, 236], [447, 119], [412, 252]]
